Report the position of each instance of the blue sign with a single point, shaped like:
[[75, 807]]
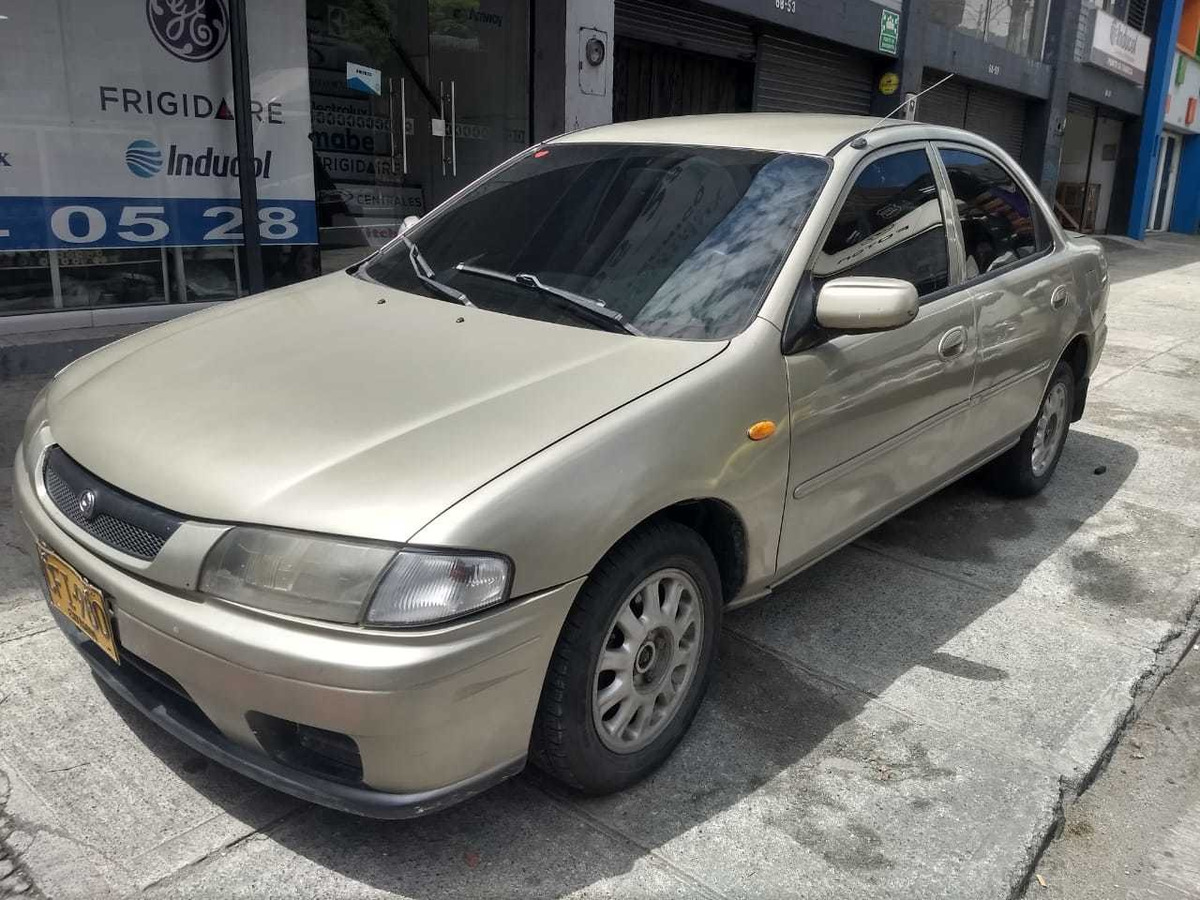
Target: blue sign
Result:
[[64, 223]]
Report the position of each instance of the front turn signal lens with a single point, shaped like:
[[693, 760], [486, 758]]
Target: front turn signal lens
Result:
[[760, 431]]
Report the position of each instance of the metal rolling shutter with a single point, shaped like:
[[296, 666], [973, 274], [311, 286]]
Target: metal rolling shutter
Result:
[[1081, 106], [997, 115], [945, 106], [799, 73], [692, 28]]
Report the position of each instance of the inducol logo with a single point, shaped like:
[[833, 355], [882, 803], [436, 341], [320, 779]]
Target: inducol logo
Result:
[[144, 159], [192, 30]]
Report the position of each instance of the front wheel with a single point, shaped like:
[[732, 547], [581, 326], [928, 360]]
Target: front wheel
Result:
[[1026, 468], [633, 661]]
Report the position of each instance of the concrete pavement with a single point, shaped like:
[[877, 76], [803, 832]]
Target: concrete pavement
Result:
[[909, 718]]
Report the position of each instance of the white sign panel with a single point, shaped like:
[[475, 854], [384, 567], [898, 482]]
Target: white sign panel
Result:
[[364, 78], [1120, 49], [119, 131]]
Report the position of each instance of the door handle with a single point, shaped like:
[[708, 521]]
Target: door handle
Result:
[[442, 113], [1059, 298], [453, 131], [403, 125], [953, 342]]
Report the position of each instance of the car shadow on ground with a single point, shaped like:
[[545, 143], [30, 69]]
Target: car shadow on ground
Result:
[[795, 680]]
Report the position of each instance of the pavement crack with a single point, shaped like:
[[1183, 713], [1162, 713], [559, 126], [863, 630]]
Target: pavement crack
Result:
[[66, 768], [697, 886], [263, 829], [27, 634]]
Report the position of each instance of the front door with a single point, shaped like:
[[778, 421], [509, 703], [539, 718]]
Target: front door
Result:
[[1164, 186], [877, 418]]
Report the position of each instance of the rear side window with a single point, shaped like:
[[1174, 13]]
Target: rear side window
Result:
[[890, 225], [999, 223]]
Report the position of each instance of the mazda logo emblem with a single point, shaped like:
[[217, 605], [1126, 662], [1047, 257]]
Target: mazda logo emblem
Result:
[[87, 504]]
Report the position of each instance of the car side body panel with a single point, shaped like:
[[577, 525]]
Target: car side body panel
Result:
[[559, 512]]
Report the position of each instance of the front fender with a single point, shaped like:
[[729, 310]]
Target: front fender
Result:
[[557, 513]]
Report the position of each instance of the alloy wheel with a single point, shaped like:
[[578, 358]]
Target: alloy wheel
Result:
[[1051, 429], [648, 661]]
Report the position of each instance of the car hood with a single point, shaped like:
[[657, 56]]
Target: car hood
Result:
[[341, 406]]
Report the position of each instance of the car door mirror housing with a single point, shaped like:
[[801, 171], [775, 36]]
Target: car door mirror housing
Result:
[[862, 304], [408, 222]]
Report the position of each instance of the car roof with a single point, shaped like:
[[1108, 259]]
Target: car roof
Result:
[[778, 132]]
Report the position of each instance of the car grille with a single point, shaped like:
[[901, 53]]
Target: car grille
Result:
[[117, 519]]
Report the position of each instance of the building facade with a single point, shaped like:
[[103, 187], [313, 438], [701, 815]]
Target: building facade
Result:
[[1172, 172], [173, 153]]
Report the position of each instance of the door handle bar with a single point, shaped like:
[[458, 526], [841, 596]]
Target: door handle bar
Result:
[[442, 115], [453, 132], [953, 342]]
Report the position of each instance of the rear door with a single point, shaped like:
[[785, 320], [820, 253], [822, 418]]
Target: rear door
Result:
[[1025, 294], [877, 418]]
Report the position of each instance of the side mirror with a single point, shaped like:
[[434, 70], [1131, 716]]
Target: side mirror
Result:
[[408, 222], [866, 303]]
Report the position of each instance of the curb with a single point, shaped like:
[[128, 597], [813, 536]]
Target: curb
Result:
[[1167, 656]]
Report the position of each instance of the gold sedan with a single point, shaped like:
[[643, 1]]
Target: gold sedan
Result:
[[378, 538]]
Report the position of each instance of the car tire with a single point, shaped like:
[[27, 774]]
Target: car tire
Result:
[[633, 661], [1024, 470]]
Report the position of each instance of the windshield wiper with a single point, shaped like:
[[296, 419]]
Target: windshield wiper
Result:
[[594, 310], [424, 271]]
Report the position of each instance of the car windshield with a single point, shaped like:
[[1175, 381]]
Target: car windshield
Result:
[[662, 240]]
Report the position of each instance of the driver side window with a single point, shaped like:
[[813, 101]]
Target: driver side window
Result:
[[890, 225]]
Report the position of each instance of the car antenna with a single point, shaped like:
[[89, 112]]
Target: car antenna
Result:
[[861, 141]]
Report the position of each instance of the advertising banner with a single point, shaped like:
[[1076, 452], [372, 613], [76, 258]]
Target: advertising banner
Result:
[[118, 127], [1117, 47]]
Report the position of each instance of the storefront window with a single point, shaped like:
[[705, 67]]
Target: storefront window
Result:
[[26, 282], [118, 163], [1016, 25], [1087, 170], [119, 183]]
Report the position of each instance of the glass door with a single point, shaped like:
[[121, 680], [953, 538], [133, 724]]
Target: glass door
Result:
[[411, 100], [478, 71], [1164, 188]]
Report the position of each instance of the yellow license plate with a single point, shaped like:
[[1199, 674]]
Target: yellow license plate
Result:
[[78, 601]]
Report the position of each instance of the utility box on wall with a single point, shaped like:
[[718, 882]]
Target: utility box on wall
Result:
[[594, 62], [589, 69]]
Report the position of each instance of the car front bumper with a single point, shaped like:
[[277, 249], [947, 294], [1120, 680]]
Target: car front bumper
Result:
[[436, 714]]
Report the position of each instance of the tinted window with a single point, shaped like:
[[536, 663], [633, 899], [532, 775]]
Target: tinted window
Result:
[[890, 225], [999, 224], [682, 241]]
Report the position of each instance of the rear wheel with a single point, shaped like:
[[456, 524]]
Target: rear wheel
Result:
[[1028, 467], [633, 661]]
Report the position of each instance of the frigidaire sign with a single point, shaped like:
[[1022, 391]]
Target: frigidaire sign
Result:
[[1119, 48]]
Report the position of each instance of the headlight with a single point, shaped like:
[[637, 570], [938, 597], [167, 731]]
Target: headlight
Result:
[[348, 581]]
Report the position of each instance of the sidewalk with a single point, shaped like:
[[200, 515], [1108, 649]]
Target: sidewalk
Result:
[[909, 719], [1136, 832]]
